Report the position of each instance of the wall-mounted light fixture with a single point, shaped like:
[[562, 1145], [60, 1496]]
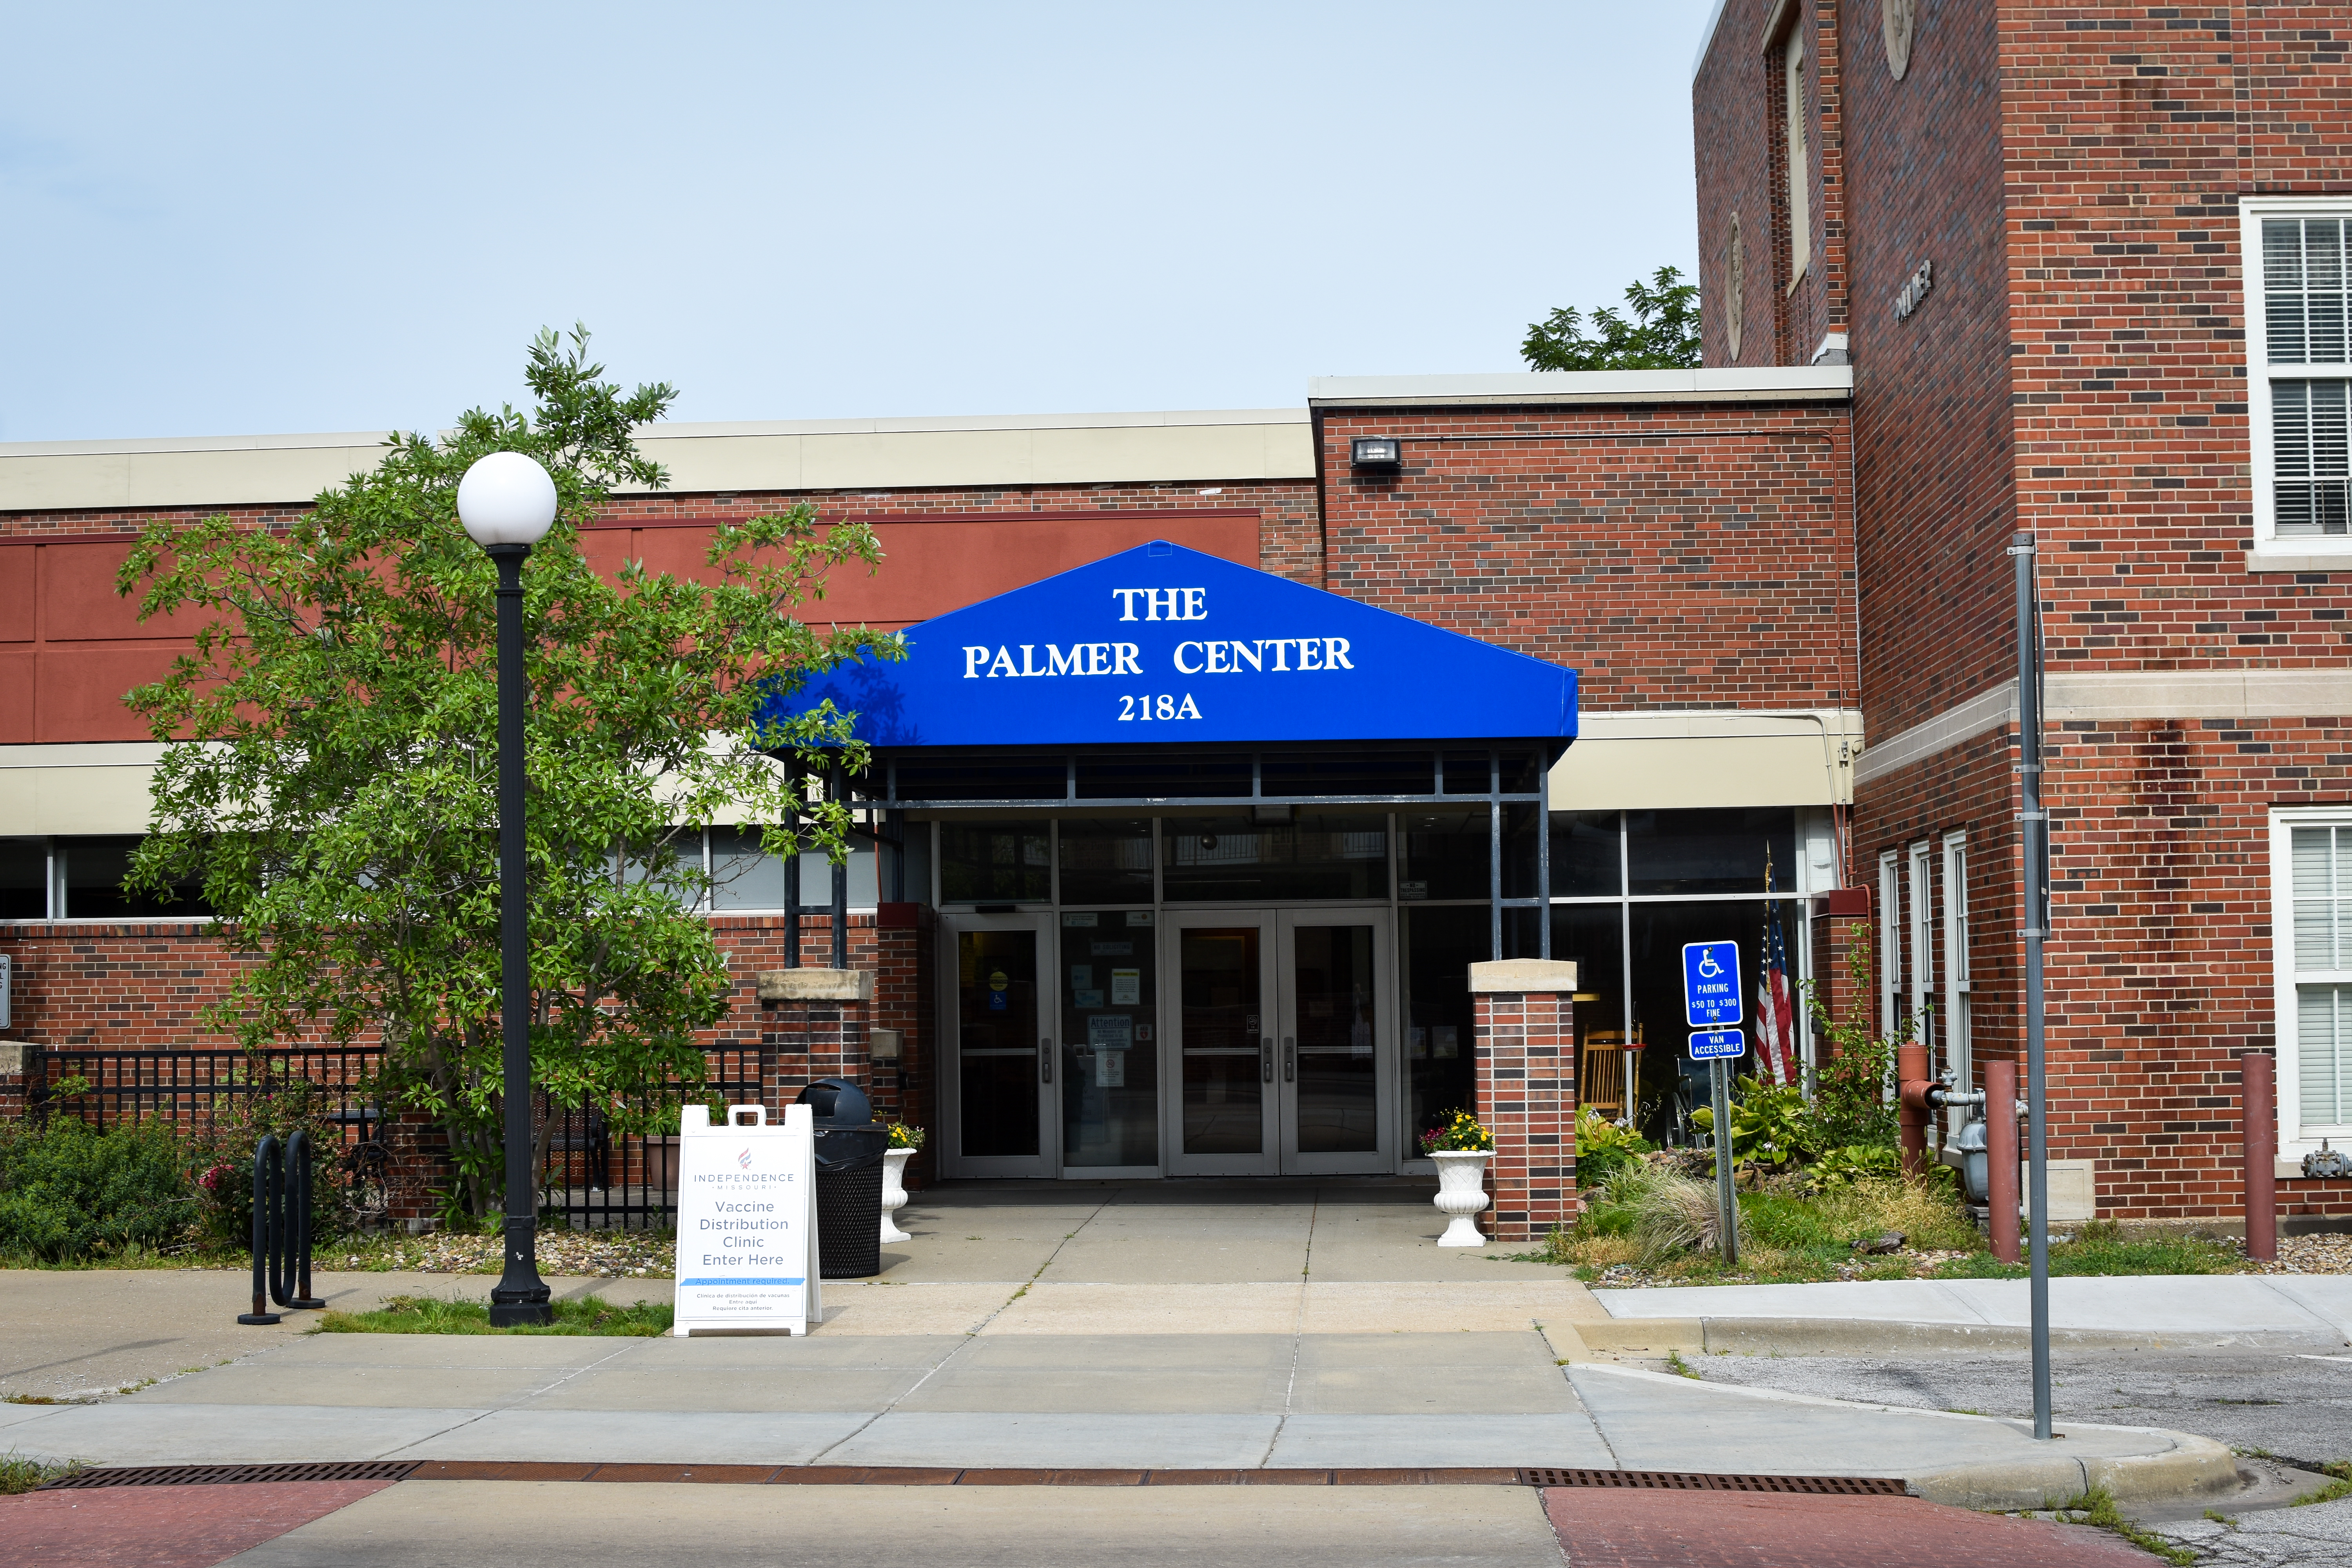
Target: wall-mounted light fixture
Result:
[[1377, 453]]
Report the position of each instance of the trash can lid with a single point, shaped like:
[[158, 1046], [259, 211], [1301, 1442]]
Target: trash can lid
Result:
[[836, 1102]]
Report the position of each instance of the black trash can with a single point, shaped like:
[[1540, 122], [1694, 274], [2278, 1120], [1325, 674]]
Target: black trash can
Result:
[[849, 1148]]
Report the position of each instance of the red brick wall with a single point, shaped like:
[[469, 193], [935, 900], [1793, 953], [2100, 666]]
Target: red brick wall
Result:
[[2158, 969], [70, 647], [1526, 1096], [1740, 120], [1673, 556]]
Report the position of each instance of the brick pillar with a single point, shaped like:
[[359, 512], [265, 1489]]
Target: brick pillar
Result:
[[1527, 1091], [904, 990]]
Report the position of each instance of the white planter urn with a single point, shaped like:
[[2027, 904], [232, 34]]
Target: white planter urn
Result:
[[1460, 1194], [894, 1193]]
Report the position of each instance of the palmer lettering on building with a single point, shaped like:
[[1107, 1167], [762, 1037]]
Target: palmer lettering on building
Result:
[[1231, 654]]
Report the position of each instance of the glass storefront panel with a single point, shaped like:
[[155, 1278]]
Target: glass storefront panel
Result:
[[1713, 851], [995, 862], [94, 870], [1593, 936], [1446, 854], [1440, 945], [1106, 861], [1110, 1080], [1221, 1013], [996, 1042], [1238, 859], [1346, 773], [1586, 862], [24, 879], [1523, 826], [1337, 1098]]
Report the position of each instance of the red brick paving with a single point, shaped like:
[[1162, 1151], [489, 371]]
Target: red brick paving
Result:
[[164, 1527], [1609, 1529]]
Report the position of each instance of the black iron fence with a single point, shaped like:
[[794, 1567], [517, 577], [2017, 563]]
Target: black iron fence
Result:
[[600, 1178], [596, 1175]]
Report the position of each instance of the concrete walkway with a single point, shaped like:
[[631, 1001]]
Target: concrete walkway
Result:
[[1178, 1326]]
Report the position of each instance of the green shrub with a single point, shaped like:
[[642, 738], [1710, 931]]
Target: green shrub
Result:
[[1603, 1148], [70, 1192]]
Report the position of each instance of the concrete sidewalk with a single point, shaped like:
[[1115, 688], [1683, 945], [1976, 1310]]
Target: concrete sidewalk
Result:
[[1179, 1325]]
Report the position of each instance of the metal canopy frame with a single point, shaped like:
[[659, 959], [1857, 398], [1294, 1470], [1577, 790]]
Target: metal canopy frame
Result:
[[1545, 751]]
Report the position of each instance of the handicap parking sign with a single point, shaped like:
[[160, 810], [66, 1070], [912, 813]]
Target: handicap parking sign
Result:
[[1711, 984]]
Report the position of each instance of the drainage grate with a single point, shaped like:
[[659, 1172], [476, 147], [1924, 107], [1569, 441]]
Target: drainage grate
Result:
[[215, 1475], [1673, 1481]]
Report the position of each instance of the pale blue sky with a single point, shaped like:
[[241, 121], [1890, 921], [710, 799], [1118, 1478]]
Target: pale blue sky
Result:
[[249, 219]]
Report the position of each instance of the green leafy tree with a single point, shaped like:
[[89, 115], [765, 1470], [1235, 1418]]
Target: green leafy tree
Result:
[[1661, 335], [331, 771]]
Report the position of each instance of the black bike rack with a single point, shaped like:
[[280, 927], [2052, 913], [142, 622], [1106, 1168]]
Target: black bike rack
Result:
[[281, 1227]]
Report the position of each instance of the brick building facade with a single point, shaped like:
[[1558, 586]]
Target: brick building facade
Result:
[[1969, 271]]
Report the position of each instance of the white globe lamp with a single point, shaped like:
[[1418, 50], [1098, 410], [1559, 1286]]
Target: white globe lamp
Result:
[[506, 499]]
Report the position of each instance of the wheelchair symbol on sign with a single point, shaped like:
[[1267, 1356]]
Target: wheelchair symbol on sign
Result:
[[1707, 966]]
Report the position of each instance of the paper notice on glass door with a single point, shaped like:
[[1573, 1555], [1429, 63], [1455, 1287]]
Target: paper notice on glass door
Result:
[[1127, 988]]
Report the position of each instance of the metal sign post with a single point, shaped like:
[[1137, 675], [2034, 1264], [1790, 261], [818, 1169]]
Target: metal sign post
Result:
[[1712, 1008], [2033, 824]]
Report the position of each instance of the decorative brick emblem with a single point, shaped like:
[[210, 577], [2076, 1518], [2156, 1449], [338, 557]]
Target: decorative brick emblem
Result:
[[1898, 19]]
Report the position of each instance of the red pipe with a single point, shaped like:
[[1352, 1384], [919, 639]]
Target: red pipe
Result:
[[1912, 1080], [2257, 1098], [2000, 1156]]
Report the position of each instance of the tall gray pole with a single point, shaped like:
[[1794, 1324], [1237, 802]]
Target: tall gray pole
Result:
[[521, 1295], [2033, 824]]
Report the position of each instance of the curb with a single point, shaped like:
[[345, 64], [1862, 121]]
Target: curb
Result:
[[1866, 1336], [2193, 1466]]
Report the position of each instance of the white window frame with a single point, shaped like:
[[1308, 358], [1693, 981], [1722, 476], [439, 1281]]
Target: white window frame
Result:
[[1889, 957], [1796, 113], [2270, 552], [2294, 1139], [1922, 974], [1957, 1053]]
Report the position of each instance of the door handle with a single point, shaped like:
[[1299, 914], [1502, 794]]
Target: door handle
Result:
[[1045, 1059], [1265, 1058], [1289, 1058]]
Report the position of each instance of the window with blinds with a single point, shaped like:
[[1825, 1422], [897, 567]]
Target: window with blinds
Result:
[[2305, 377], [2320, 885]]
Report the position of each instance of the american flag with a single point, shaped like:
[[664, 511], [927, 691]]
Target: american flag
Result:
[[1776, 1015]]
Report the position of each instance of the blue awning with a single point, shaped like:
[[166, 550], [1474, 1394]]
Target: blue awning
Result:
[[1162, 645]]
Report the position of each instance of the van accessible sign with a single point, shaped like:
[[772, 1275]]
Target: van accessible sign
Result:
[[747, 1220], [1165, 644]]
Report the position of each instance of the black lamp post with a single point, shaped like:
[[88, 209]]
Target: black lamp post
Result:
[[507, 501]]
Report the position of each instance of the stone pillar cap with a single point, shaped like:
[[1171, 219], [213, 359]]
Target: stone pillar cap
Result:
[[1523, 975]]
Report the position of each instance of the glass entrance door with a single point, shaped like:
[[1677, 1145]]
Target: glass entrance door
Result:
[[1000, 1067], [1339, 1053], [1284, 1033]]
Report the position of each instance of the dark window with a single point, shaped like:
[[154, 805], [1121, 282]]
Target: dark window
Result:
[[1164, 778], [994, 862], [1440, 1043], [95, 869], [1585, 863], [24, 879], [1713, 851], [1345, 773], [1106, 861], [1446, 854], [1521, 773], [1466, 772], [1319, 854], [982, 781]]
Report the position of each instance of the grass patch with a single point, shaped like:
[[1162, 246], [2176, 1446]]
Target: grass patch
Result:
[[2097, 1508], [1661, 1224], [434, 1315], [19, 1474], [2341, 1487], [2101, 1248]]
